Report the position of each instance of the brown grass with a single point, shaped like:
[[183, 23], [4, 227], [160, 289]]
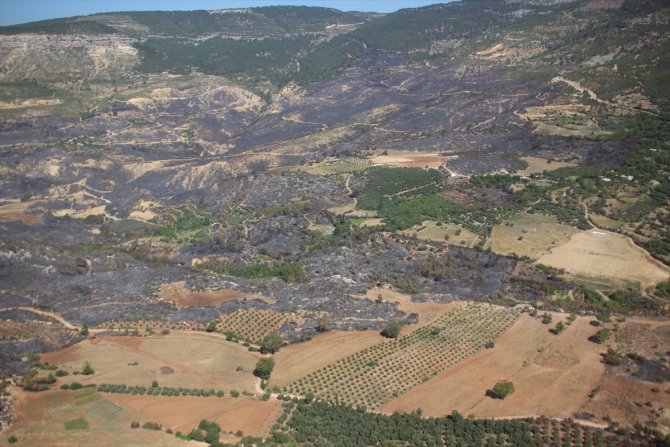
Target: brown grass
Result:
[[183, 413], [409, 159], [197, 360], [532, 235]]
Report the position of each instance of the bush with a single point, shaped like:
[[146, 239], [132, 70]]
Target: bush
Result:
[[134, 424], [234, 393], [391, 330], [546, 318], [502, 389], [489, 344], [612, 358], [601, 336], [12, 439]]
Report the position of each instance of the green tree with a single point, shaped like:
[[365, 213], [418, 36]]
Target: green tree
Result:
[[84, 330], [272, 342], [211, 326], [502, 389], [309, 397], [264, 367], [391, 330], [87, 370]]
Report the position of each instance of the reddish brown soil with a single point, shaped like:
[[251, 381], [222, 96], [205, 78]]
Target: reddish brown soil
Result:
[[183, 413], [553, 375]]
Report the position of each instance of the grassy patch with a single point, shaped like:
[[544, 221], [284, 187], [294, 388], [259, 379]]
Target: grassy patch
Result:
[[76, 424]]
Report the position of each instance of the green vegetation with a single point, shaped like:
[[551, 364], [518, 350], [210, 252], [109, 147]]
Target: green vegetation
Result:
[[272, 342], [185, 225], [328, 425], [413, 358], [157, 390], [76, 424], [502, 389], [392, 329], [384, 183], [287, 272], [264, 367], [87, 370], [601, 336]]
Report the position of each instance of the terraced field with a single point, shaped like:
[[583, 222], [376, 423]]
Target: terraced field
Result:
[[376, 375]]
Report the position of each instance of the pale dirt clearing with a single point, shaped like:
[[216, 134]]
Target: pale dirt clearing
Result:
[[532, 235], [253, 417], [603, 254], [178, 294], [403, 159], [553, 375], [295, 361], [537, 165], [181, 359]]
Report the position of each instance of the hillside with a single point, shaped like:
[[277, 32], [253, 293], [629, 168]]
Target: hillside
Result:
[[182, 188]]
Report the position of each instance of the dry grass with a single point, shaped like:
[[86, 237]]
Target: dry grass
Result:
[[430, 231], [602, 254], [403, 159], [537, 165], [532, 235], [196, 361]]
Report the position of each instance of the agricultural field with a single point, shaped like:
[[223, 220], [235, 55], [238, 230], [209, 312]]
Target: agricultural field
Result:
[[62, 419], [375, 375], [384, 183], [254, 324], [406, 159], [532, 235], [607, 256], [552, 374], [180, 359], [335, 167]]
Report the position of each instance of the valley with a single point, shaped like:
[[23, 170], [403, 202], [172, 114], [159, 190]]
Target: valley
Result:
[[392, 213]]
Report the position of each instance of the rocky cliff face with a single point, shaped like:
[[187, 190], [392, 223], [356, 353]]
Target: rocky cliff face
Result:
[[66, 58]]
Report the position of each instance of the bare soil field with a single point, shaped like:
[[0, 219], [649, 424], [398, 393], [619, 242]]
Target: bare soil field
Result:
[[403, 159], [599, 253], [552, 374], [297, 360], [183, 413], [40, 419], [181, 359], [181, 296], [532, 235]]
